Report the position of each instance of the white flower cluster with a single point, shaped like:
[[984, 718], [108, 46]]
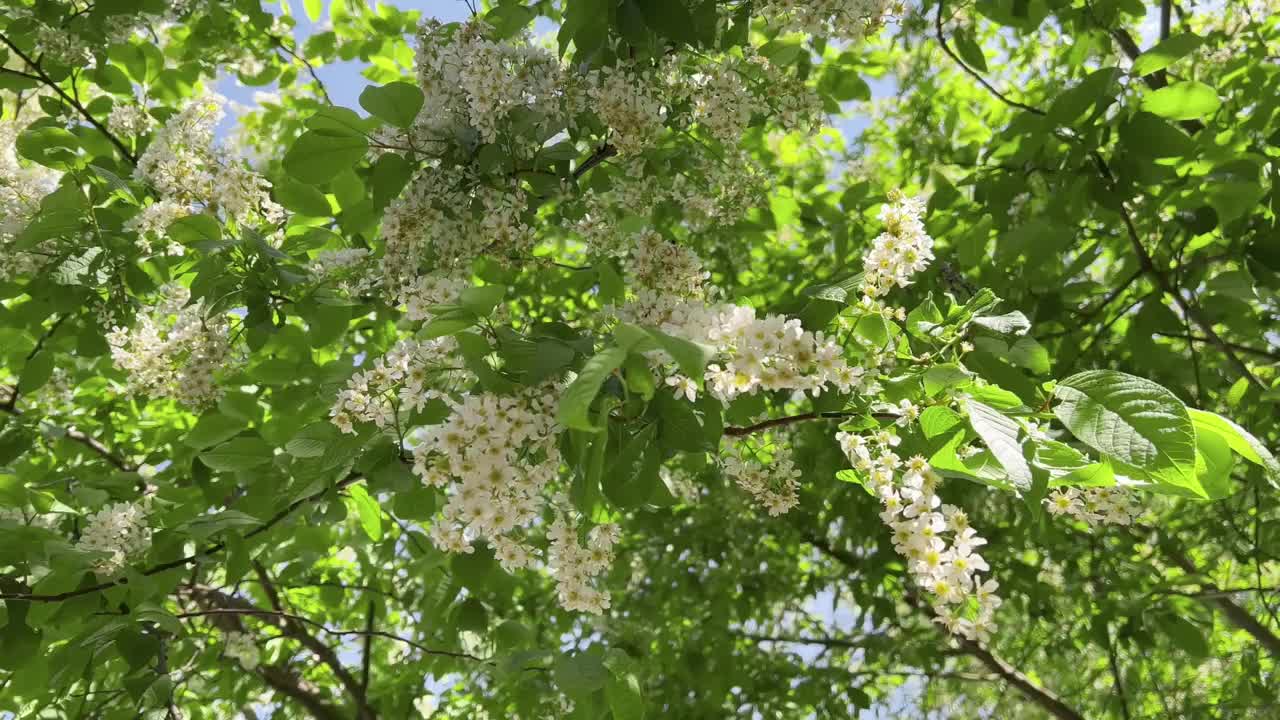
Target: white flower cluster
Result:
[[477, 82], [120, 530], [241, 647], [754, 354], [722, 104], [1096, 505], [902, 250], [625, 99], [494, 455], [429, 291], [348, 268], [183, 163], [129, 120], [445, 219], [765, 470], [576, 565], [665, 267], [22, 186], [176, 351], [152, 222], [399, 382], [947, 568], [844, 19]]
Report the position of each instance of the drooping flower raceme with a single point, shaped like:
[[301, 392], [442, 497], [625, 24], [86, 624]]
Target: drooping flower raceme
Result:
[[1096, 505], [766, 471], [175, 351], [901, 251], [120, 530], [936, 539], [402, 381], [184, 164]]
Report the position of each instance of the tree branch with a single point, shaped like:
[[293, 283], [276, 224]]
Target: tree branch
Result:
[[293, 626], [602, 153], [1235, 614], [189, 559], [44, 77], [790, 419], [335, 632], [937, 25], [1260, 352], [1046, 699]]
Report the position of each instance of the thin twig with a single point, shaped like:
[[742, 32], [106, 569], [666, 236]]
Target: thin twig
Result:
[[44, 77], [189, 559]]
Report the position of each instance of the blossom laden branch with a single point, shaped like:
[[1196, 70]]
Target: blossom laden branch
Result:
[[189, 559], [73, 102]]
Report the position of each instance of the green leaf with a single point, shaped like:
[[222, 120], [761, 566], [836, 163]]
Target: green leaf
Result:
[[575, 403], [201, 231], [212, 428], [1185, 100], [313, 8], [301, 198], [969, 49], [482, 300], [1186, 635], [1165, 53], [1133, 420], [1013, 323], [581, 673], [1239, 440], [36, 372], [317, 156], [670, 19], [312, 440], [1001, 435], [238, 454], [52, 147], [368, 510], [398, 103]]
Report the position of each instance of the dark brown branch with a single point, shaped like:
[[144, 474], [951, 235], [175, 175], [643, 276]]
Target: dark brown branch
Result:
[[1260, 352], [790, 419], [189, 559], [335, 632], [1236, 615], [1046, 699], [12, 401], [942, 40], [366, 661], [77, 436], [602, 153], [1155, 80], [828, 642], [289, 684], [293, 626], [311, 70], [44, 78], [1166, 13], [1189, 310]]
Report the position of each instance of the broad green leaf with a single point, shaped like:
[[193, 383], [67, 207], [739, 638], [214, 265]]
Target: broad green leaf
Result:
[[212, 428], [397, 103], [317, 156], [1239, 440], [301, 198], [201, 231], [575, 403], [1187, 100], [238, 454], [1133, 420], [1001, 433], [368, 510], [1165, 53]]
